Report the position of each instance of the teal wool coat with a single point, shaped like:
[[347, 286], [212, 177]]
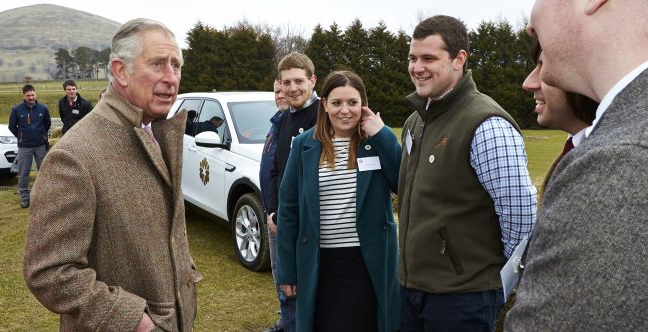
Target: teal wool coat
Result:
[[298, 225]]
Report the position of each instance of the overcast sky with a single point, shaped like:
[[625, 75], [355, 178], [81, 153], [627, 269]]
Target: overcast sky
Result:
[[299, 16]]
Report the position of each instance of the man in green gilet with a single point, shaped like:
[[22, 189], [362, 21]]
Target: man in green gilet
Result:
[[466, 198]]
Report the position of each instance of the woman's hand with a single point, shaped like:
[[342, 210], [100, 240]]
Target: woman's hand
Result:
[[370, 123], [289, 290]]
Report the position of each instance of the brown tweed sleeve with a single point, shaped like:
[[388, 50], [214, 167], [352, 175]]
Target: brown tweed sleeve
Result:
[[59, 238]]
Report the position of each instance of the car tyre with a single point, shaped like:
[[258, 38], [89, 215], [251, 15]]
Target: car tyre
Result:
[[249, 233]]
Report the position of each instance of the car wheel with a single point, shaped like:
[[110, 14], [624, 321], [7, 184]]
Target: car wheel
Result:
[[249, 233]]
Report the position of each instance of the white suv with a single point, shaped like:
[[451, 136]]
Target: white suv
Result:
[[8, 150], [220, 169]]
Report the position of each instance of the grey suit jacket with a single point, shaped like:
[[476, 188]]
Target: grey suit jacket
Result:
[[106, 237], [587, 265]]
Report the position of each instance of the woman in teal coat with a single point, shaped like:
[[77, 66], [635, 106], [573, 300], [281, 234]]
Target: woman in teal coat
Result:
[[336, 236]]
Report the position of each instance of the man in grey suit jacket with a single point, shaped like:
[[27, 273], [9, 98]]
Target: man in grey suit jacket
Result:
[[106, 243], [587, 266]]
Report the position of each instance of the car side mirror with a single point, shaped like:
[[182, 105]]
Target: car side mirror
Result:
[[209, 139]]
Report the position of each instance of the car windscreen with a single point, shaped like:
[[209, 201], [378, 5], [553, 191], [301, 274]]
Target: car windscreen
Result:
[[252, 119]]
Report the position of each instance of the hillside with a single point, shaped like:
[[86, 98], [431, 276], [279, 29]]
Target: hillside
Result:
[[30, 35]]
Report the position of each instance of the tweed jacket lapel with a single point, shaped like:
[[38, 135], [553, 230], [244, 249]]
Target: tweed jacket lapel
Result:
[[626, 108], [170, 134], [156, 158], [166, 131]]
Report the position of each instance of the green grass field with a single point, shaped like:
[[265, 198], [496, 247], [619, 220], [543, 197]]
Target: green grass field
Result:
[[230, 297], [47, 93]]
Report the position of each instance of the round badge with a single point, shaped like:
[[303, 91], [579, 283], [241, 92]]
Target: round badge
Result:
[[367, 147], [301, 130], [431, 159]]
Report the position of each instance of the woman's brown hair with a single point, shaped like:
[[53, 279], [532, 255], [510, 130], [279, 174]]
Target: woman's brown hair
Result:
[[324, 130]]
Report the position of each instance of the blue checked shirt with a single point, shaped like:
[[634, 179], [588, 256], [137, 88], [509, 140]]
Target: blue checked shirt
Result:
[[498, 157]]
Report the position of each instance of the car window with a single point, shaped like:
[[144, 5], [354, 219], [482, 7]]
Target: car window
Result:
[[252, 119], [212, 118], [192, 106]]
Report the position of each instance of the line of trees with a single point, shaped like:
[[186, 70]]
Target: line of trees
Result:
[[82, 62], [244, 57]]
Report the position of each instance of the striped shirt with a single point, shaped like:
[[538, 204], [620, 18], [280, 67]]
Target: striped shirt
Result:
[[337, 193]]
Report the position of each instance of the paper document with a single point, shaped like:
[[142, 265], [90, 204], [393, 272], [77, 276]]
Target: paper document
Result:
[[512, 270]]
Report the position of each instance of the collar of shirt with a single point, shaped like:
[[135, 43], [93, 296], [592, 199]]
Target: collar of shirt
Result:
[[578, 138], [609, 97], [142, 125], [313, 98]]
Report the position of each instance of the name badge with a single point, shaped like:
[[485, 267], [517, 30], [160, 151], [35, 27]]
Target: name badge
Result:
[[408, 141], [76, 112], [368, 163]]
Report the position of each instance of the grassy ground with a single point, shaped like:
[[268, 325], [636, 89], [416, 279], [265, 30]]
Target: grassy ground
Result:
[[230, 298]]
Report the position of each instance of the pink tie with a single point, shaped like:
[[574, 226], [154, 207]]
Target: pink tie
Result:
[[148, 130]]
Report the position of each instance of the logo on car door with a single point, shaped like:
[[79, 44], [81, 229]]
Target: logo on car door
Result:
[[204, 171]]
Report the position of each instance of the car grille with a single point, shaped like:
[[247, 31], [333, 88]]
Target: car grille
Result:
[[10, 155]]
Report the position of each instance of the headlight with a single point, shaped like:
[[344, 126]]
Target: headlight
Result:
[[8, 140]]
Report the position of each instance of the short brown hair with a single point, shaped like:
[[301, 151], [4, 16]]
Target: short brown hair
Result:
[[69, 83], [296, 60], [451, 30], [28, 87]]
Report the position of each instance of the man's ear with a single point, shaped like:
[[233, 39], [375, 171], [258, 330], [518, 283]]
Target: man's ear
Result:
[[313, 80], [593, 5], [460, 60], [119, 72]]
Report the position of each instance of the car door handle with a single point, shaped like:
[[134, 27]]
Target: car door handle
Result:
[[192, 148], [230, 168]]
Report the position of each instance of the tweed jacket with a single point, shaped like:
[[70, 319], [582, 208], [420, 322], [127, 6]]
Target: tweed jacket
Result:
[[587, 264], [106, 236]]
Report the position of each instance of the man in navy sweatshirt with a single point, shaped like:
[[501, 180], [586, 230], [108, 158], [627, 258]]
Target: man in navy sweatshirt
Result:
[[297, 79], [30, 122]]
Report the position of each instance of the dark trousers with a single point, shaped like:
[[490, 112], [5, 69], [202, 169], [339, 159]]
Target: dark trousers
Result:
[[25, 158], [346, 300], [287, 304], [422, 311]]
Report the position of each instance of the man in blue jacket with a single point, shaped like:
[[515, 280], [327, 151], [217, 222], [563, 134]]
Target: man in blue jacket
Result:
[[29, 122], [267, 160]]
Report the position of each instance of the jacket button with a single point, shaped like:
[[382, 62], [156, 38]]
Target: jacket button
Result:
[[385, 226], [304, 240], [367, 147], [431, 159]]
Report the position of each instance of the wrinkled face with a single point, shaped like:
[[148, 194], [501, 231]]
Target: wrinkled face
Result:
[[71, 91], [555, 24], [431, 69], [551, 103], [153, 82], [297, 87], [30, 97], [344, 106], [280, 100]]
